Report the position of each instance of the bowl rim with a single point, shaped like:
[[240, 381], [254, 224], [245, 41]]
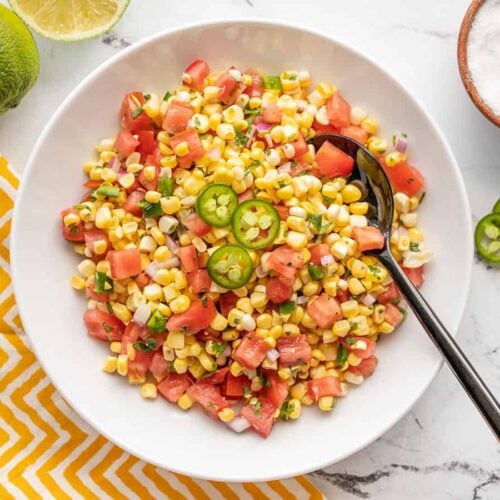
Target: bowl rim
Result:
[[224, 22], [463, 62]]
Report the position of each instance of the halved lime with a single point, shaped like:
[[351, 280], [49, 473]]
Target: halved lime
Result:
[[70, 20]]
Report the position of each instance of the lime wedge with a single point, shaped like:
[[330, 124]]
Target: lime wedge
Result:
[[70, 20]]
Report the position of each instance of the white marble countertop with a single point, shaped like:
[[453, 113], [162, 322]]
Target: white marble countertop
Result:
[[441, 449]]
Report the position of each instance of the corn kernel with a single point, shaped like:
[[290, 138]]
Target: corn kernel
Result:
[[122, 365], [148, 391], [180, 365], [176, 340], [370, 125], [180, 304], [110, 364], [77, 282], [265, 321], [185, 402], [170, 205], [341, 328], [226, 414], [326, 403]]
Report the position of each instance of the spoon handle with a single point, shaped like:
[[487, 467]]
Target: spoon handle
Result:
[[466, 374]]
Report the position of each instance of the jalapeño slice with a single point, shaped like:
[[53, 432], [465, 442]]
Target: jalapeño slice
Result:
[[230, 266], [487, 238], [216, 204], [255, 224]]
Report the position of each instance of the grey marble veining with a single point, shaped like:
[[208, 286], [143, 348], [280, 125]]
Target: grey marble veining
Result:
[[441, 449]]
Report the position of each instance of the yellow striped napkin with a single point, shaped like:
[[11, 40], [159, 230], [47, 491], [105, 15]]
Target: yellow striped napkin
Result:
[[47, 451]]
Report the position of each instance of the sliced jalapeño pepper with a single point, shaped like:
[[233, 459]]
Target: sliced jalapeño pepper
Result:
[[255, 224], [487, 238], [230, 266], [216, 204], [496, 207]]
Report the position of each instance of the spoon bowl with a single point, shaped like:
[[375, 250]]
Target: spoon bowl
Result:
[[379, 194]]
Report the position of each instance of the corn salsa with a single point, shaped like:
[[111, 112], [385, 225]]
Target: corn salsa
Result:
[[225, 261]]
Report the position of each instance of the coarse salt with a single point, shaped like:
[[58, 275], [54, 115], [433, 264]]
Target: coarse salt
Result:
[[483, 53]]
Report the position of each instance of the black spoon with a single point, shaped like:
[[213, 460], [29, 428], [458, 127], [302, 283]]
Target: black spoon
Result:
[[379, 195]]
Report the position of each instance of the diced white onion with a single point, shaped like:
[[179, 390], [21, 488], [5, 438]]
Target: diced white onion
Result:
[[326, 260], [115, 164], [368, 300], [142, 314], [152, 269], [238, 424], [169, 263], [250, 373], [302, 300], [172, 245], [168, 224], [272, 355]]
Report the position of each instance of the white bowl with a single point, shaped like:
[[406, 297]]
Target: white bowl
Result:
[[51, 311]]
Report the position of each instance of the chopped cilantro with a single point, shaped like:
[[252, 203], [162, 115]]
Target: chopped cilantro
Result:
[[264, 380], [422, 197], [404, 312], [166, 186], [103, 284], [317, 221], [257, 408], [74, 229], [218, 349], [252, 167], [414, 247], [342, 354], [350, 341], [247, 392], [167, 96], [204, 301], [107, 328], [147, 345], [109, 308], [241, 139], [375, 270], [136, 113], [147, 97], [286, 410]]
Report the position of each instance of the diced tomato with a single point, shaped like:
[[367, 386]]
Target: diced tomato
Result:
[[92, 294], [131, 105], [255, 89], [198, 70], [299, 168], [75, 232], [283, 211], [365, 368], [278, 291], [177, 117], [230, 89], [293, 350], [300, 146], [343, 295], [173, 386], [227, 301], [354, 132], [147, 143], [189, 258], [124, 263], [251, 351], [325, 129], [150, 185], [209, 397], [404, 177], [393, 315], [246, 195], [96, 235], [199, 316], [196, 225], [277, 390], [233, 386], [159, 366], [90, 184], [324, 386], [260, 416], [416, 275], [139, 366], [208, 334], [333, 162], [199, 281], [196, 150], [368, 238], [390, 293], [272, 113], [216, 377], [133, 332], [285, 261], [102, 325], [325, 310], [338, 111], [154, 158], [350, 343], [132, 203], [142, 280], [319, 251]]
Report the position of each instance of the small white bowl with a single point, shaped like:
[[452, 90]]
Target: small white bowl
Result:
[[160, 433]]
